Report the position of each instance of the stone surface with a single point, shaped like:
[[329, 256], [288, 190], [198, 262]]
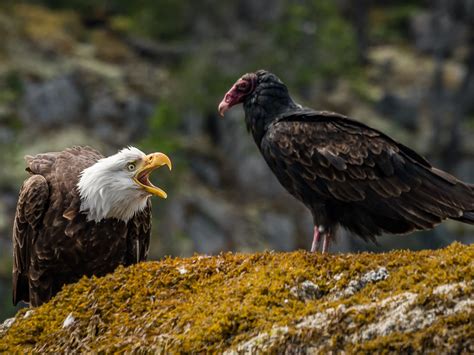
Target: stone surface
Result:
[[7, 323], [53, 103], [397, 314], [69, 321], [307, 290]]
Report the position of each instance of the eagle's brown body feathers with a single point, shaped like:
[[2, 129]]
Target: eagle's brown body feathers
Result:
[[53, 243]]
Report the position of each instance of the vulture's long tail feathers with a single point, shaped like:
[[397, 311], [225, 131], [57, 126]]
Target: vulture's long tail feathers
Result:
[[467, 217], [460, 195], [437, 197]]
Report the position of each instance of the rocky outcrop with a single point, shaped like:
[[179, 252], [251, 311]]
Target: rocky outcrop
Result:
[[298, 302], [75, 76]]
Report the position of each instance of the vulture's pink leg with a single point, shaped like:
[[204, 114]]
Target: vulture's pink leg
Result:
[[326, 241], [316, 239]]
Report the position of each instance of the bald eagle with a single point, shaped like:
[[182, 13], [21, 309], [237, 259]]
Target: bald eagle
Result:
[[80, 213], [346, 173]]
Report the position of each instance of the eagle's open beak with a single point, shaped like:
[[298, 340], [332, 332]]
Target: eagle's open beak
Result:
[[152, 162]]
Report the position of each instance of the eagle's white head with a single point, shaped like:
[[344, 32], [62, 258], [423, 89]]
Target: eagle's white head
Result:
[[118, 186]]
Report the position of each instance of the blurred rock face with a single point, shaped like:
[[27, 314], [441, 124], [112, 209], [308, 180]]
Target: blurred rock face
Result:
[[51, 104], [62, 102], [449, 33], [117, 121]]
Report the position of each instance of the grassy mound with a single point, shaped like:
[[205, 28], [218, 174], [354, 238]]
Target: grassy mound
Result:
[[399, 301]]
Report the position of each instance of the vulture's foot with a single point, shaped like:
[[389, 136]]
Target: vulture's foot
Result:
[[324, 234], [316, 239], [326, 241]]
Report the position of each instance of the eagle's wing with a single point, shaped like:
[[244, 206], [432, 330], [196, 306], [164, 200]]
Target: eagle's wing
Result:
[[32, 202], [138, 236], [342, 160]]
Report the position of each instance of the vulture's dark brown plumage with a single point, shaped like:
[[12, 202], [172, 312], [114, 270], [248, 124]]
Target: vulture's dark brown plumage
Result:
[[345, 172], [53, 243]]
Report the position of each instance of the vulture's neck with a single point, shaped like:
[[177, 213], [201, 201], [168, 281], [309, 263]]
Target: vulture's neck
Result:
[[264, 106]]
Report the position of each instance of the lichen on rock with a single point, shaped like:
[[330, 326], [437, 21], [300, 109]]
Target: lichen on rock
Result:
[[265, 302], [357, 284], [307, 290]]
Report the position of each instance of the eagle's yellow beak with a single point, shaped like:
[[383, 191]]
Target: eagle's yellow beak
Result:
[[151, 162]]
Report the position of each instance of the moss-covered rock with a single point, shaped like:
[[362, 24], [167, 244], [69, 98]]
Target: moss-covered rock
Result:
[[398, 301]]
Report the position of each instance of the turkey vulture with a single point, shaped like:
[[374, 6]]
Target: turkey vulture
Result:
[[80, 213], [345, 172]]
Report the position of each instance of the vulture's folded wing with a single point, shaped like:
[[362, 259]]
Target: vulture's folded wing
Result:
[[343, 160]]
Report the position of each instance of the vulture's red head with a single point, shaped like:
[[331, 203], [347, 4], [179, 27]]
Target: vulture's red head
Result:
[[238, 92], [263, 89]]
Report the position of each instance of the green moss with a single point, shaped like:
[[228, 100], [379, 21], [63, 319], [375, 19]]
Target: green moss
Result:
[[213, 303]]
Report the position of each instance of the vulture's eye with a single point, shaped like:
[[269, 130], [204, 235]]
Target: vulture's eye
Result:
[[243, 86], [131, 166]]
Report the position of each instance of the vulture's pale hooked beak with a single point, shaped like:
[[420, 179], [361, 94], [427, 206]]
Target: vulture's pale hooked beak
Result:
[[231, 98], [223, 106], [152, 161]]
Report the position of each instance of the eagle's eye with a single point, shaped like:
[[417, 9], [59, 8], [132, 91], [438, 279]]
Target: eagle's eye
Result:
[[131, 166]]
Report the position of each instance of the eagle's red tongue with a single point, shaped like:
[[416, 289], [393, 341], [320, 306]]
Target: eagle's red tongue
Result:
[[144, 178]]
